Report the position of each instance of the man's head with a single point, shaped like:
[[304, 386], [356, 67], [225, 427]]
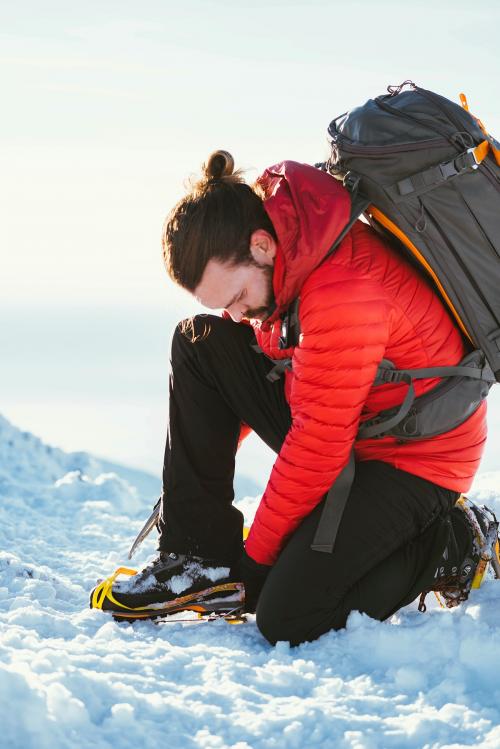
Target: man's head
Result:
[[244, 289], [219, 243]]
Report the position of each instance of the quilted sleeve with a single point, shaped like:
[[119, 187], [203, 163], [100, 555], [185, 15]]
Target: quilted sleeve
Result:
[[345, 326]]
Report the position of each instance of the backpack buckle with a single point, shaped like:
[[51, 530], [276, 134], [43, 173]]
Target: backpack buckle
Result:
[[474, 155], [351, 181], [391, 376], [387, 373], [460, 164]]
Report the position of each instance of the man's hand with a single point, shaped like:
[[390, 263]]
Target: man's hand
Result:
[[253, 575]]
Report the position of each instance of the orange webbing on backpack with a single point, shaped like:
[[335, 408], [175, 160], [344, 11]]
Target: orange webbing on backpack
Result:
[[489, 139], [390, 226]]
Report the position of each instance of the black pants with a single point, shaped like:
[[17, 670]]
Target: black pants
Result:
[[393, 532]]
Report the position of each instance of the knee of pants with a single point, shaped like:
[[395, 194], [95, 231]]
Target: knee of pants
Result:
[[272, 610], [277, 627], [188, 336], [280, 621], [270, 624], [195, 328]]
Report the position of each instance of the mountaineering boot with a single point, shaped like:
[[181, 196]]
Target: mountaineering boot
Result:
[[170, 583], [473, 545]]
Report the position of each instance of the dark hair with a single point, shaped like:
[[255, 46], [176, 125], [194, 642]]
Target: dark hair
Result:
[[214, 220]]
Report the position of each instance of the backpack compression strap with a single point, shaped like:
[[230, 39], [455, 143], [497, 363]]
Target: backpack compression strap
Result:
[[386, 373]]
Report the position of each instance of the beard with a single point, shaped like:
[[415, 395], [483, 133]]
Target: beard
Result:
[[260, 313]]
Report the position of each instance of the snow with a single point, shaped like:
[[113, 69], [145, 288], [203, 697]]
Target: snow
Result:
[[72, 677]]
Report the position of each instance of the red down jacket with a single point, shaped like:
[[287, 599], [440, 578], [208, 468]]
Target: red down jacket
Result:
[[361, 305]]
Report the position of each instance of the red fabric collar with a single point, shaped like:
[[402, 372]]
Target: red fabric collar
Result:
[[308, 209]]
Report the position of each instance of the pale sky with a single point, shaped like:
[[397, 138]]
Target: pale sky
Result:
[[107, 107]]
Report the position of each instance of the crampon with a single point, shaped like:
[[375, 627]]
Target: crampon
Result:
[[225, 601], [451, 590]]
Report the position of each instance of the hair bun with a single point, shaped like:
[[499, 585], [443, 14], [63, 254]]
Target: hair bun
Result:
[[220, 164]]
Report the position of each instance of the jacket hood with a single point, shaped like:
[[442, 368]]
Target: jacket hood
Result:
[[308, 209]]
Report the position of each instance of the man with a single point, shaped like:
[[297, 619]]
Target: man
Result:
[[253, 252]]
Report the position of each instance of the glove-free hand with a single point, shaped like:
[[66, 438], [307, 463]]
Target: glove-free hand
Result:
[[253, 575]]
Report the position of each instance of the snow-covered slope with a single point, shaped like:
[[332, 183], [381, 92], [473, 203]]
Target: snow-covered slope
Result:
[[71, 677]]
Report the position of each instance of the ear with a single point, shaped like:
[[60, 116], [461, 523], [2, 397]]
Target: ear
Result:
[[263, 247]]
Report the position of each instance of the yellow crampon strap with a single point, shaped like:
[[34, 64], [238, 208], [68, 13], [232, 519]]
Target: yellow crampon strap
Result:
[[480, 540], [480, 570], [482, 149], [103, 590], [438, 597]]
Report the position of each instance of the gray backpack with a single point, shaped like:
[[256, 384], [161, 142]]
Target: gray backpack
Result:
[[426, 175]]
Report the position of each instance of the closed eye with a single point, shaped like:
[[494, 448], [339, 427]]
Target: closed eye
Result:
[[235, 299]]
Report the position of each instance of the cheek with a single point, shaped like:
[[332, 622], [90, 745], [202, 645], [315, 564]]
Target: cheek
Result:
[[268, 284]]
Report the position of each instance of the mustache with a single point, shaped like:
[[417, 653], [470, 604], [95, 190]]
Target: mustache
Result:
[[259, 313]]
